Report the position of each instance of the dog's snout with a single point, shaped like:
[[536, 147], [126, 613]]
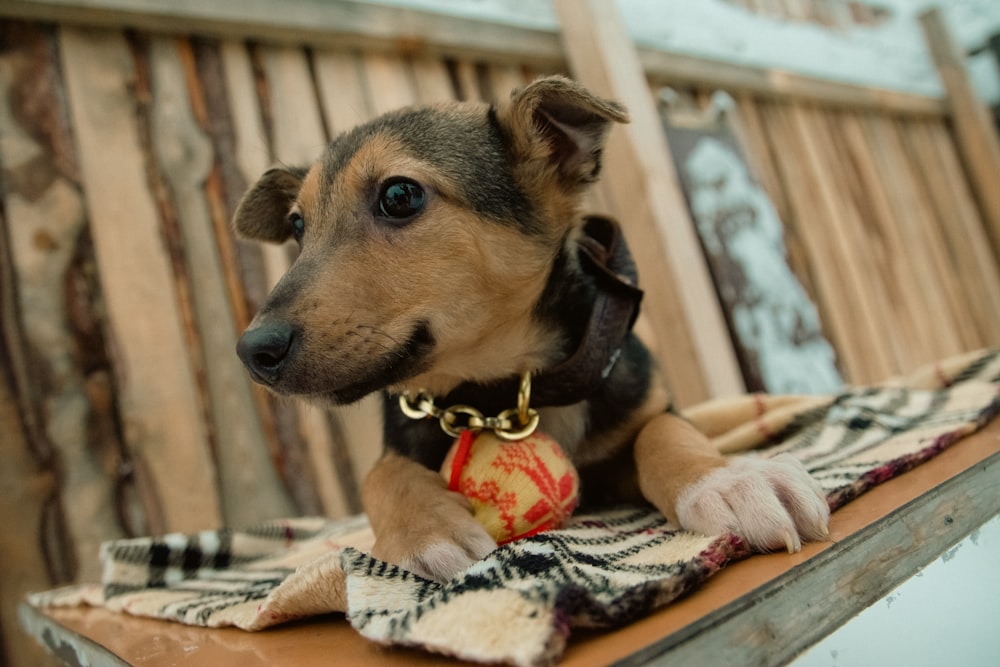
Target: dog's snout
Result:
[[264, 349]]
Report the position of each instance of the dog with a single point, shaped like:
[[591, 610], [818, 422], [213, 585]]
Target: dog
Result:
[[443, 256]]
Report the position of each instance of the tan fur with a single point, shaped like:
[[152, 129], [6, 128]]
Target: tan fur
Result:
[[670, 455], [469, 279], [488, 275], [412, 512]]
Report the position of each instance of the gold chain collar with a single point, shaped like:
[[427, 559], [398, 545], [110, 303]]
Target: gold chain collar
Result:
[[511, 424]]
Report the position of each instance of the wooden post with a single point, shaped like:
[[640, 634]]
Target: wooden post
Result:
[[681, 303], [977, 137], [249, 487]]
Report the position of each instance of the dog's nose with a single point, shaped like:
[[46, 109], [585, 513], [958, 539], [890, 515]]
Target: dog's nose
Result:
[[264, 349]]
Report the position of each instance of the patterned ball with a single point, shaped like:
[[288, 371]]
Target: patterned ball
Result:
[[517, 489]]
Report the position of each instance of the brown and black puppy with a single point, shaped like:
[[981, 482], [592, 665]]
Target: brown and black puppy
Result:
[[443, 251]]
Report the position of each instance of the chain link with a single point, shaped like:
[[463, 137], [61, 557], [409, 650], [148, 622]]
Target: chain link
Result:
[[512, 424]]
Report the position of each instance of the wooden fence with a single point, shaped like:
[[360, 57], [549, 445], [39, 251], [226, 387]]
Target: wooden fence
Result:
[[126, 140]]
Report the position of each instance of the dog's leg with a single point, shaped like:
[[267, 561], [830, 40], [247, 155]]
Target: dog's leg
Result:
[[772, 503], [418, 523]]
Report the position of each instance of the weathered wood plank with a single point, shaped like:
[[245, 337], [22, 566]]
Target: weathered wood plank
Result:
[[40, 218], [249, 489], [350, 24], [682, 69], [811, 220], [251, 156], [431, 79], [319, 23], [342, 89], [964, 228], [700, 362], [909, 307], [974, 127], [44, 223], [933, 297], [504, 79], [467, 77], [161, 418], [344, 103], [299, 139], [389, 83], [27, 490], [961, 335]]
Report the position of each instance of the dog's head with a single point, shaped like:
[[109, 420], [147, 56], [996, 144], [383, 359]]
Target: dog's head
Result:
[[427, 236]]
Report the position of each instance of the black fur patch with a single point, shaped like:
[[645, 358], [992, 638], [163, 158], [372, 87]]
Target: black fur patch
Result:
[[469, 149]]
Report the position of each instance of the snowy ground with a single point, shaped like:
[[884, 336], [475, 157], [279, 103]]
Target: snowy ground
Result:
[[892, 55]]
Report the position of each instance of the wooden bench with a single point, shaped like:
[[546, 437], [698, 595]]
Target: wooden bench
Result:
[[763, 610]]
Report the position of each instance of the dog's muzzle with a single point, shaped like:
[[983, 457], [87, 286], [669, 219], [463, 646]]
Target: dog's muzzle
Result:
[[265, 349]]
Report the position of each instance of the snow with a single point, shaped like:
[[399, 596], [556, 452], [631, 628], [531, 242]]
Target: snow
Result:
[[771, 314], [891, 55]]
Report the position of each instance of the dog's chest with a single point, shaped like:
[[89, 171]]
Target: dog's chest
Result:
[[567, 425]]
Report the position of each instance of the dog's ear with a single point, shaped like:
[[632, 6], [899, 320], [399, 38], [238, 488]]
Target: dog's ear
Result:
[[559, 122], [263, 212]]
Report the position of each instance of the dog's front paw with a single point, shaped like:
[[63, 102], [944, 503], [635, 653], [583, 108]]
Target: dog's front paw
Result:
[[772, 503], [439, 544]]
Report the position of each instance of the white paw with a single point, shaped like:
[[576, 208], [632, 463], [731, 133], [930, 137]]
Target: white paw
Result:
[[443, 552], [772, 503], [443, 561]]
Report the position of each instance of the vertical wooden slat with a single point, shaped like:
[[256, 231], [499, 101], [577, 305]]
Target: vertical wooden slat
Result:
[[162, 420], [906, 199], [249, 489], [468, 81], [812, 220], [950, 300], [962, 225], [432, 81], [390, 86], [341, 88], [26, 491], [44, 223], [504, 79], [682, 304], [343, 101], [851, 243], [908, 306], [977, 135], [252, 156], [34, 344], [749, 121], [299, 139]]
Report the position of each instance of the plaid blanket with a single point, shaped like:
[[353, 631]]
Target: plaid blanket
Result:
[[519, 605]]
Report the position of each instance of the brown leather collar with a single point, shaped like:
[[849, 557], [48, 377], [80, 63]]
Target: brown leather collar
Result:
[[605, 256]]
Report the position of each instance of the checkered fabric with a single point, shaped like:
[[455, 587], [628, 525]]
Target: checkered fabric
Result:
[[519, 605]]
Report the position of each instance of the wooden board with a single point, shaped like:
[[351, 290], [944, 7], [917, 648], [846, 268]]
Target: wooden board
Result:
[[161, 416], [773, 324], [43, 225], [974, 126], [410, 31], [299, 137], [680, 302], [344, 102], [251, 156], [963, 235], [248, 487]]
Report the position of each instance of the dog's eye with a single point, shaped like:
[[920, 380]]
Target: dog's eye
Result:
[[401, 198], [298, 224]]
